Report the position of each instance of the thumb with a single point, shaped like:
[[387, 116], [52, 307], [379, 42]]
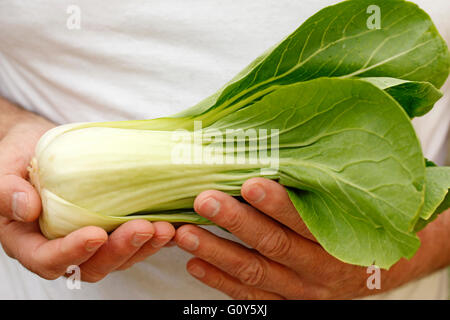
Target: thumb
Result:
[[18, 199]]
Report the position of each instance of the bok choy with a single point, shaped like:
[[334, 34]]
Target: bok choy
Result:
[[326, 113]]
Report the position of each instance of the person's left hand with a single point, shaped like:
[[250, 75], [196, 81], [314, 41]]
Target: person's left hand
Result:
[[286, 262]]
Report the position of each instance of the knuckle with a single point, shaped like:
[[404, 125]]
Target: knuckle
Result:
[[218, 282], [234, 291], [235, 220], [242, 294], [251, 272], [46, 269], [275, 244], [120, 247], [214, 255], [4, 222]]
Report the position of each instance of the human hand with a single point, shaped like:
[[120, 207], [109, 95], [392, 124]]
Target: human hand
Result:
[[286, 262], [91, 248]]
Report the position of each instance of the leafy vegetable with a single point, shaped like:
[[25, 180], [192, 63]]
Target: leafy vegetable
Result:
[[417, 98], [334, 97], [437, 198]]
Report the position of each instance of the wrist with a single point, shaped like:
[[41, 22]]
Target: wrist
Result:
[[436, 241]]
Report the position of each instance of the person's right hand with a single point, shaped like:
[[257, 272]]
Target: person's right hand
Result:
[[91, 248]]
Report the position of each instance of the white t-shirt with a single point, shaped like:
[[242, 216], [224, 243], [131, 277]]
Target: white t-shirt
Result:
[[144, 59]]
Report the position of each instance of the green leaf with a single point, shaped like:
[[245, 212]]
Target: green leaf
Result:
[[437, 185], [336, 42], [437, 198], [429, 163], [352, 162], [416, 97]]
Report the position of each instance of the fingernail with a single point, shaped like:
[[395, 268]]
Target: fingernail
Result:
[[196, 271], [158, 243], [19, 205], [256, 194], [189, 242], [210, 207], [92, 245], [140, 238]]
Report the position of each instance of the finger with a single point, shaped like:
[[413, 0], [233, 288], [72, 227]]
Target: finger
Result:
[[250, 268], [164, 232], [272, 198], [217, 279], [18, 199], [50, 259], [122, 244], [262, 233], [171, 243]]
